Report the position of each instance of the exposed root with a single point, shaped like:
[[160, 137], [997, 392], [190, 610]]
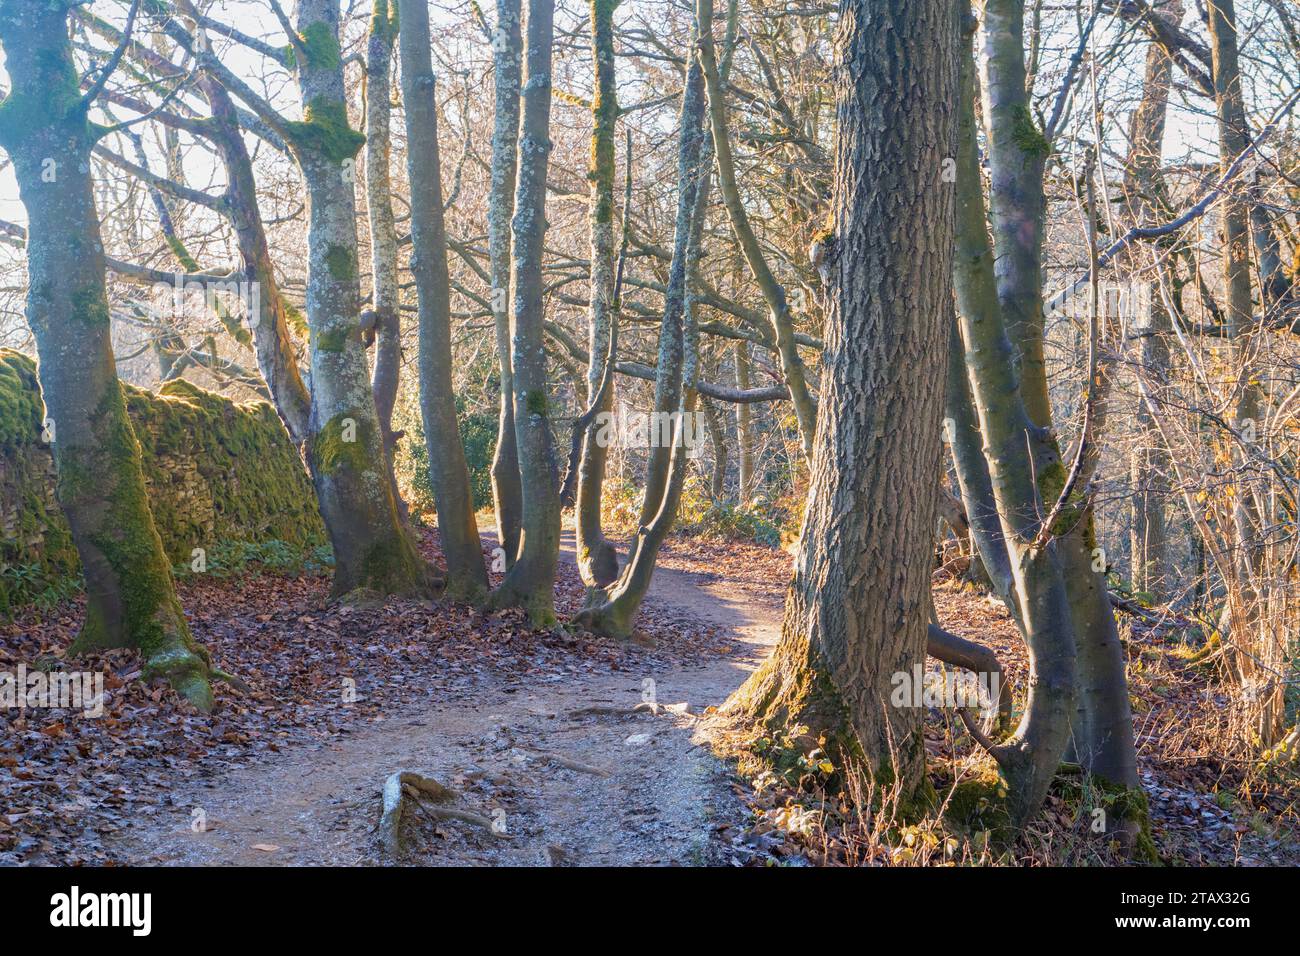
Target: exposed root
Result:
[[406, 784]]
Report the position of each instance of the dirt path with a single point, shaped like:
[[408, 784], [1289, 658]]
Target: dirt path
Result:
[[663, 801]]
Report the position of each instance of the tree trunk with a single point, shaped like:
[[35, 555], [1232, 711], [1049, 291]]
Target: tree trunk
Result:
[[529, 583], [613, 611], [372, 551], [1030, 758], [857, 611], [597, 558], [668, 368], [718, 439], [507, 43], [448, 472], [1144, 183], [385, 303], [744, 427], [130, 597]]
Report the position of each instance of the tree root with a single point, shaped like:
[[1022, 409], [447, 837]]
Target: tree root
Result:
[[406, 784]]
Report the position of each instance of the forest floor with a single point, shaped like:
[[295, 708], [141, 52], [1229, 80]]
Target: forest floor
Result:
[[539, 732]]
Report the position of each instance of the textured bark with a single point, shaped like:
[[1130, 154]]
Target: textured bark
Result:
[[857, 610], [448, 472], [507, 44], [530, 582], [372, 551], [597, 558], [386, 369], [130, 597]]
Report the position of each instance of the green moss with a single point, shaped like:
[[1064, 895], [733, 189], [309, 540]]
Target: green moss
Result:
[[335, 339], [332, 450], [20, 400], [1051, 482], [320, 47], [1025, 133], [536, 402], [90, 306], [341, 262], [979, 804], [182, 254], [324, 131]]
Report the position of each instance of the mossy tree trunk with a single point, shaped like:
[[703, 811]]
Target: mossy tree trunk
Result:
[[857, 612], [372, 551], [448, 472], [131, 599], [597, 558], [507, 46], [530, 582]]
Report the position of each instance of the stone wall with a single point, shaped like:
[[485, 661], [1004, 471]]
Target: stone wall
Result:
[[217, 472]]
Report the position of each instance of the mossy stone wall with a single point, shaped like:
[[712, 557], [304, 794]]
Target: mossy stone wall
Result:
[[216, 471]]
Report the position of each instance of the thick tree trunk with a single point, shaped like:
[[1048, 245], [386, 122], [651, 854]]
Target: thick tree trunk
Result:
[[857, 611], [448, 472], [130, 597], [372, 551], [529, 583], [507, 44], [597, 558]]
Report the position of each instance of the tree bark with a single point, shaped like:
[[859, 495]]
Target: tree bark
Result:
[[385, 374], [529, 583], [448, 472], [372, 551], [507, 44], [857, 611], [130, 597], [744, 427], [597, 558]]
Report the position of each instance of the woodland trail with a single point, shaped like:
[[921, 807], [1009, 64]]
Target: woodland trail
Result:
[[664, 802]]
